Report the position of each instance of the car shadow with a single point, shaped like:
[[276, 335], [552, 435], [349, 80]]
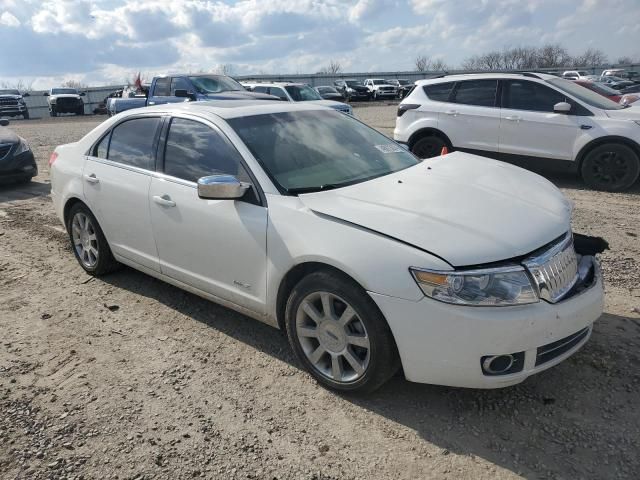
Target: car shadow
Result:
[[574, 182], [531, 429], [23, 191]]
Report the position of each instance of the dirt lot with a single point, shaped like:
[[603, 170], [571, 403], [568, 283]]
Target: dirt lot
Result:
[[126, 377]]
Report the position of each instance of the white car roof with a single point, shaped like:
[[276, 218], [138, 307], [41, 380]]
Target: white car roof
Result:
[[233, 108], [480, 76]]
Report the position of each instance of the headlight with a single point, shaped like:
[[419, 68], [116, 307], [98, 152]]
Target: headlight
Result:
[[488, 287], [23, 146], [350, 90]]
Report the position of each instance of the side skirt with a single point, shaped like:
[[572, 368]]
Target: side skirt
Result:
[[530, 163]]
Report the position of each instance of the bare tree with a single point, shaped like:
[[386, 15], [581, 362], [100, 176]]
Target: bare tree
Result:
[[225, 69], [553, 56], [331, 69], [422, 63], [592, 57], [438, 65], [20, 85], [625, 61], [74, 84]]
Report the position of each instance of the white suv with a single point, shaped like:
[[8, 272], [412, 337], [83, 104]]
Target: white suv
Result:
[[296, 92], [530, 118], [381, 88]]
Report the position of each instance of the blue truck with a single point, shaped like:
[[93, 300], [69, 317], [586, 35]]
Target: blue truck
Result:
[[185, 88]]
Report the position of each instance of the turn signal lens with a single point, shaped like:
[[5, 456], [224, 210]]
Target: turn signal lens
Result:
[[429, 277], [53, 158]]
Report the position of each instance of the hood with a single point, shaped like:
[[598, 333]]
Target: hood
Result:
[[13, 97], [65, 95], [466, 209], [240, 95], [632, 112], [327, 103], [7, 136]]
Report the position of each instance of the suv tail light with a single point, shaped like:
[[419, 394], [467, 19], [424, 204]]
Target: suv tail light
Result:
[[403, 107], [53, 158]]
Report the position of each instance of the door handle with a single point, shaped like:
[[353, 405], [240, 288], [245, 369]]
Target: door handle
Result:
[[513, 118], [91, 178], [452, 112], [164, 200]]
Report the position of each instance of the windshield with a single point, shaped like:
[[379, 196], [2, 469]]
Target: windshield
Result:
[[587, 96], [64, 91], [354, 83], [316, 150], [213, 84], [9, 92], [327, 90], [615, 79], [302, 93], [379, 82], [602, 88]]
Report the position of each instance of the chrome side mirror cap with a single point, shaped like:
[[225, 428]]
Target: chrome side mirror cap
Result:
[[562, 107], [221, 187]]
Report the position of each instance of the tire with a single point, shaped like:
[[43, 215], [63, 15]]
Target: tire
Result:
[[25, 115], [80, 111], [428, 147], [612, 167], [324, 346], [100, 262], [375, 95], [53, 112]]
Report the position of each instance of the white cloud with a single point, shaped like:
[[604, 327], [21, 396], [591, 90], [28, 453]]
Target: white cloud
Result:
[[9, 20]]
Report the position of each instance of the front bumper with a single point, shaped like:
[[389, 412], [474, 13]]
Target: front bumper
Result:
[[18, 168], [13, 110], [443, 344]]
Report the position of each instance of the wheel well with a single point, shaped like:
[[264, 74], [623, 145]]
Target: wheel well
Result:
[[67, 207], [294, 276], [428, 132], [601, 141]]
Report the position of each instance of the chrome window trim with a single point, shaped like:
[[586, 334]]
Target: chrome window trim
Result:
[[123, 166]]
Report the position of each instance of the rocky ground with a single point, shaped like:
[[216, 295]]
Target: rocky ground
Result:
[[126, 377]]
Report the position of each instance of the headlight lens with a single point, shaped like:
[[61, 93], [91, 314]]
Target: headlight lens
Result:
[[350, 90], [489, 287], [23, 146]]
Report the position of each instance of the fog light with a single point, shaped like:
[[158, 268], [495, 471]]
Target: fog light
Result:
[[494, 365]]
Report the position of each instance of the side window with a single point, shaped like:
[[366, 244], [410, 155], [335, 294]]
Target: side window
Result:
[[278, 92], [133, 142], [162, 87], [476, 92], [100, 150], [179, 83], [526, 95], [195, 150], [439, 92], [260, 89]]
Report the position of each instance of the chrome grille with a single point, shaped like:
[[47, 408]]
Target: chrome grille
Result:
[[9, 102], [555, 270]]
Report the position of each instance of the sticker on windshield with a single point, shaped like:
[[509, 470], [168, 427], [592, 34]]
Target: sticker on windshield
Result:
[[389, 148]]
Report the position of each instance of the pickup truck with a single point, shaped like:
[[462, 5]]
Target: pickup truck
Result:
[[12, 103], [186, 88], [65, 100]]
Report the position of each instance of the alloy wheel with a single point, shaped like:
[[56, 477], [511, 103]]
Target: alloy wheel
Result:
[[610, 168], [333, 337], [85, 240]]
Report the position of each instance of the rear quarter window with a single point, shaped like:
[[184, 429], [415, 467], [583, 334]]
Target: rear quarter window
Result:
[[438, 92], [133, 142]]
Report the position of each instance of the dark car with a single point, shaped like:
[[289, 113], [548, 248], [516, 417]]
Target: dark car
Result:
[[329, 93], [404, 86], [17, 163], [352, 89], [102, 109], [631, 89], [12, 103]]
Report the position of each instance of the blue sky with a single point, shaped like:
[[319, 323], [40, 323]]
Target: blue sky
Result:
[[105, 41]]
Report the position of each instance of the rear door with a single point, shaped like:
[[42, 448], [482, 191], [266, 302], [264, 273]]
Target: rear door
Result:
[[117, 177], [471, 119], [530, 127]]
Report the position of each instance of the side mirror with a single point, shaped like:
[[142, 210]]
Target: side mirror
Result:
[[26, 94], [4, 122], [46, 94], [221, 187], [562, 107], [82, 94]]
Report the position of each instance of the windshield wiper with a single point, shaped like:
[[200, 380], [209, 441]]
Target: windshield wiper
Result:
[[320, 188]]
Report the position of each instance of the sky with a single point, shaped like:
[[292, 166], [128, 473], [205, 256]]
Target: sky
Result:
[[99, 42]]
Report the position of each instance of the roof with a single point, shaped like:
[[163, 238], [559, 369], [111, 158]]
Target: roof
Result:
[[234, 108], [277, 84], [489, 75]]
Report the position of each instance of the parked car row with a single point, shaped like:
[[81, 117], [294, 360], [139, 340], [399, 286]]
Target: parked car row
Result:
[[532, 119]]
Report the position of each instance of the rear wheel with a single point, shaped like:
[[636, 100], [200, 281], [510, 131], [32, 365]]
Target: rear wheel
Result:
[[428, 147], [339, 335], [612, 167], [88, 242]]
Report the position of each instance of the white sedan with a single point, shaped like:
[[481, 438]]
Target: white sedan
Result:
[[460, 269]]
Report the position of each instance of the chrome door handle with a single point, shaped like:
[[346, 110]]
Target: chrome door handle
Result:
[[164, 200], [513, 118], [452, 112], [91, 178]]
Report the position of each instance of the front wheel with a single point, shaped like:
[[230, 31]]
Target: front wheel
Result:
[[428, 147], [88, 242], [25, 115], [612, 167], [53, 112], [339, 335]]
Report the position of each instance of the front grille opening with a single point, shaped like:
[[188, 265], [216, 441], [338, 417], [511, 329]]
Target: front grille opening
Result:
[[553, 350]]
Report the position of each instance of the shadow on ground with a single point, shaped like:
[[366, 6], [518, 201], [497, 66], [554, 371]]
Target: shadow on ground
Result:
[[23, 191], [547, 427]]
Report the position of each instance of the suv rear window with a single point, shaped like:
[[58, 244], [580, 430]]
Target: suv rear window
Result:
[[438, 92], [476, 92]]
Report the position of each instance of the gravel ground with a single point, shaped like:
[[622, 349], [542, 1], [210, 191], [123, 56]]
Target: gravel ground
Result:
[[126, 377]]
